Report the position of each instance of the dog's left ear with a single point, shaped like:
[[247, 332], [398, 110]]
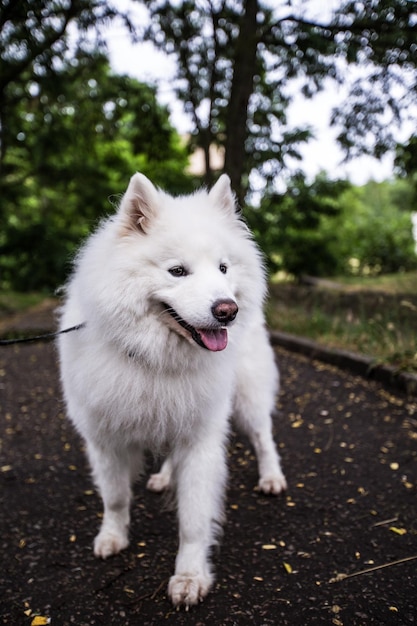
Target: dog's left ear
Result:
[[222, 195], [139, 203]]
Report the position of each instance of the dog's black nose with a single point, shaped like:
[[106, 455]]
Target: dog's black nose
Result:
[[224, 311]]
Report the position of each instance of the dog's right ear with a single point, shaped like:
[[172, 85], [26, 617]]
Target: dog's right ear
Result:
[[138, 203]]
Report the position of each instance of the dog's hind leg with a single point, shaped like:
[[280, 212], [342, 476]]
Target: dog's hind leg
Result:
[[112, 475], [259, 430], [163, 479], [256, 390]]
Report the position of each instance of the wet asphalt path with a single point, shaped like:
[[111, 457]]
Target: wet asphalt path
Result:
[[340, 547]]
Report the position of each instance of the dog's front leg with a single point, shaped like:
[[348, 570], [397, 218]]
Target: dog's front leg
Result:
[[201, 476], [111, 472]]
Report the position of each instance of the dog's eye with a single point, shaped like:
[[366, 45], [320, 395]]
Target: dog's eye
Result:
[[223, 268], [178, 271]]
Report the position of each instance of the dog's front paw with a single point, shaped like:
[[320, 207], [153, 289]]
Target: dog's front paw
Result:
[[187, 590], [273, 485], [108, 543]]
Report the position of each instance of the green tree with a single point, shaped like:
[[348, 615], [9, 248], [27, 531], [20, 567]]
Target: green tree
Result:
[[375, 228], [76, 142], [241, 61], [326, 228], [71, 134], [229, 83], [290, 227], [406, 164], [36, 36]]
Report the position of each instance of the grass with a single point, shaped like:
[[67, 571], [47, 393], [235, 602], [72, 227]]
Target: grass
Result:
[[14, 302], [404, 283], [373, 316]]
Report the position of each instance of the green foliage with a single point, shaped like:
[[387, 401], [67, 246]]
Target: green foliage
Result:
[[406, 163], [406, 158], [379, 37], [74, 140], [290, 229], [36, 40], [330, 227], [71, 133], [35, 34], [377, 228]]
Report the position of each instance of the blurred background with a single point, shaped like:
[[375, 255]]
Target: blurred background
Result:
[[309, 106]]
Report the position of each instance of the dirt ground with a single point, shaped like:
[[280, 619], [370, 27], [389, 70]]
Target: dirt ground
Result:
[[340, 547]]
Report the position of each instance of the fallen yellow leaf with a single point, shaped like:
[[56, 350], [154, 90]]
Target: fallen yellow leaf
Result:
[[287, 567], [398, 531], [338, 578], [39, 620]]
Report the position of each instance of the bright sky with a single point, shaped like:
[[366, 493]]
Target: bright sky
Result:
[[145, 63]]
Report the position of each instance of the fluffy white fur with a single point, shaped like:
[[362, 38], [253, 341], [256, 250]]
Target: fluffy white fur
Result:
[[135, 379]]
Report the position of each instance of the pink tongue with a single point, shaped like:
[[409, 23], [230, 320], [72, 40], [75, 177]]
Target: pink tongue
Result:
[[214, 339]]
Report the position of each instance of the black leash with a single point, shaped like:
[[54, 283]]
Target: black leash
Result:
[[45, 337]]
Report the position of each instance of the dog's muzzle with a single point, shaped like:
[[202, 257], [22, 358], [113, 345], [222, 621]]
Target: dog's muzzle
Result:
[[214, 338]]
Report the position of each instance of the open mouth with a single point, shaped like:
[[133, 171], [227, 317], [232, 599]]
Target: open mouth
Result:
[[213, 339]]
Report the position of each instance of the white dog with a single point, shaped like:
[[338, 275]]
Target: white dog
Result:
[[170, 291]]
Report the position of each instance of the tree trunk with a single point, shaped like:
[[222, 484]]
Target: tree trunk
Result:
[[208, 172], [242, 88]]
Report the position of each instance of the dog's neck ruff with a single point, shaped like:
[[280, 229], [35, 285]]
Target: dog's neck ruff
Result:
[[213, 339]]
